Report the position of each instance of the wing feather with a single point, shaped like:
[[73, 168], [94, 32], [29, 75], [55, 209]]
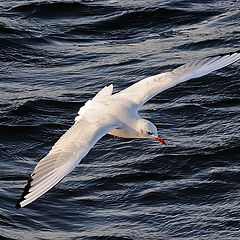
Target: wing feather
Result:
[[65, 155], [147, 88]]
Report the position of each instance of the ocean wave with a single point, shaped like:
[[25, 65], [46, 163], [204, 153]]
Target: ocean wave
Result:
[[151, 17], [62, 9]]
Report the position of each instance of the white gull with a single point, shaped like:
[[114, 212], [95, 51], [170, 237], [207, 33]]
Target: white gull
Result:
[[115, 114]]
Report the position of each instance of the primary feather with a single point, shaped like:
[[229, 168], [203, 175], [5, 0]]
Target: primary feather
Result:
[[66, 154], [147, 88]]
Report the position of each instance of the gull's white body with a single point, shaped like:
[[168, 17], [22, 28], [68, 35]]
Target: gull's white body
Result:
[[116, 114]]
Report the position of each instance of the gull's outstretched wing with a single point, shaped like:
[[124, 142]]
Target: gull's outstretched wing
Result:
[[66, 154], [145, 89]]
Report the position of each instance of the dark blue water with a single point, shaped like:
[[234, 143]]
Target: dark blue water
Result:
[[54, 55]]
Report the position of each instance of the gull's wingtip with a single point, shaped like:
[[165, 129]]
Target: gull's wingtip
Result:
[[18, 205], [25, 192]]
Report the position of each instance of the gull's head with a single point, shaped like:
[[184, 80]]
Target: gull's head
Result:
[[148, 130]]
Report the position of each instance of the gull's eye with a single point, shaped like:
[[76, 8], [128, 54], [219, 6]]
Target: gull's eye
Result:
[[150, 133]]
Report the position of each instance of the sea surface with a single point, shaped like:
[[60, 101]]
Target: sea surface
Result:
[[55, 55]]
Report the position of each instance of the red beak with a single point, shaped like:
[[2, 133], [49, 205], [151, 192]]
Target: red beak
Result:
[[160, 140]]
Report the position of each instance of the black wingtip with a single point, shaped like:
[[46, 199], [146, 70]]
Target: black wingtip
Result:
[[17, 206], [25, 192]]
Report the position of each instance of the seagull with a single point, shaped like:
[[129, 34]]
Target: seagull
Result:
[[115, 114]]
